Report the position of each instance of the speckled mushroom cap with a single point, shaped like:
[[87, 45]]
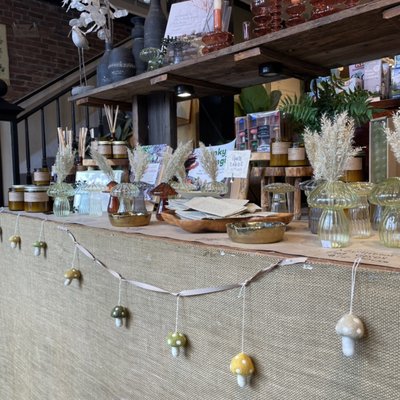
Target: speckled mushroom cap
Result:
[[279, 187], [15, 238], [386, 193], [72, 273], [335, 195], [125, 190], [40, 244], [176, 339], [119, 312], [351, 326], [62, 189], [242, 364]]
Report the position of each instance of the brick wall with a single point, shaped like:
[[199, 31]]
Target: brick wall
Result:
[[39, 55]]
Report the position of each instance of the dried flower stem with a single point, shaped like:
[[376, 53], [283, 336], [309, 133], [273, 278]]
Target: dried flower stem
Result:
[[393, 136], [101, 162], [209, 162], [138, 160], [64, 162], [172, 163]]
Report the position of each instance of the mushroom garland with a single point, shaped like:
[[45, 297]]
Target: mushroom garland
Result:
[[242, 366], [177, 341], [350, 328], [71, 274], [119, 313]]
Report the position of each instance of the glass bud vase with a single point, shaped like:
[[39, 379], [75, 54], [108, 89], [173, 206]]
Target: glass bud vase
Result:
[[387, 194], [61, 193], [360, 222], [314, 213], [333, 198], [279, 193]]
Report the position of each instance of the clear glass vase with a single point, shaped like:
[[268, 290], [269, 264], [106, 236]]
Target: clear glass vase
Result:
[[314, 213], [279, 196], [387, 194], [360, 221], [333, 198], [376, 217], [61, 192]]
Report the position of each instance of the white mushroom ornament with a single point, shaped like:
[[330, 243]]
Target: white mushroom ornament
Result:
[[350, 328], [242, 366], [176, 341]]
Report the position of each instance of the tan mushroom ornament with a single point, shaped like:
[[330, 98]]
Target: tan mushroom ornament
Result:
[[350, 328], [242, 366]]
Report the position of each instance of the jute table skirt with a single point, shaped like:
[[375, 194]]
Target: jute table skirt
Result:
[[60, 343]]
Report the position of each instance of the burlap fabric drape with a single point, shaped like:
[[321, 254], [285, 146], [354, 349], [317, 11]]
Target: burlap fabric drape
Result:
[[60, 343]]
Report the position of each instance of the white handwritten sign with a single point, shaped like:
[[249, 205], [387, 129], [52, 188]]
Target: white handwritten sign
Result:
[[237, 164]]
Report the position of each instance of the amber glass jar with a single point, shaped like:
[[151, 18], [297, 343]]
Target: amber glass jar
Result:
[[41, 177], [119, 149], [16, 198], [354, 170], [297, 155], [279, 153], [36, 199], [104, 147]]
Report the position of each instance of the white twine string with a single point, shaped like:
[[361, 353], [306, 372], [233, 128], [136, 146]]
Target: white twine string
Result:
[[189, 292], [353, 281], [177, 313], [41, 233], [243, 294], [119, 291], [16, 228], [75, 255]]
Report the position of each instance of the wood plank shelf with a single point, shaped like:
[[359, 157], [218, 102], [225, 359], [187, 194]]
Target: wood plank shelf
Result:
[[113, 162], [307, 50]]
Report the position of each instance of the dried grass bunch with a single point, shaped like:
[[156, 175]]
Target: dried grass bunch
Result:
[[173, 163], [138, 161], [65, 159], [330, 150], [101, 162], [393, 136], [209, 162]]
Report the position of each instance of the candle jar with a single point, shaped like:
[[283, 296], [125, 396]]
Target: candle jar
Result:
[[41, 177], [104, 147], [119, 149], [16, 198], [297, 155], [36, 199]]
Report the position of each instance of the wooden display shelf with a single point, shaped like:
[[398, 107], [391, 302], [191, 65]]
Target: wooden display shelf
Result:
[[113, 162], [310, 49]]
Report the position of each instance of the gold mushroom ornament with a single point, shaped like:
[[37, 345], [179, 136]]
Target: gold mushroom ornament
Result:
[[242, 366], [15, 241], [70, 275]]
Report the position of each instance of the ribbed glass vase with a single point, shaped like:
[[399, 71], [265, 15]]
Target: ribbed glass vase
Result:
[[333, 198], [61, 193], [360, 222], [387, 194]]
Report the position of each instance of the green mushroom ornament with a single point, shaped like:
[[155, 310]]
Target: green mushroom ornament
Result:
[[176, 341], [38, 246], [71, 274], [119, 313], [15, 241]]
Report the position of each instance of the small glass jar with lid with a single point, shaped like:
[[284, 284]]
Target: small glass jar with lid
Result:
[[36, 199], [297, 155], [41, 177], [104, 147], [119, 149], [16, 198]]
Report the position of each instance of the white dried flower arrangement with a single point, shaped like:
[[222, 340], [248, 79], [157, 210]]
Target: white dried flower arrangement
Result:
[[330, 150], [173, 163], [138, 161], [208, 161], [101, 162], [65, 159], [393, 136]]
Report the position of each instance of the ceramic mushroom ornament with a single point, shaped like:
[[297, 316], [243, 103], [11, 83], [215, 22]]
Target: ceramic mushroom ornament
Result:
[[119, 313], [242, 366], [38, 246], [15, 241], [71, 274], [350, 328], [176, 341]]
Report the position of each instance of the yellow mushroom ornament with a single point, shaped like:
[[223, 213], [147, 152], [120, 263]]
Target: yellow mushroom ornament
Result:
[[242, 366]]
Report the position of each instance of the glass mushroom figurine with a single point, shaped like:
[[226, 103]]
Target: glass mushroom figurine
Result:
[[242, 366], [71, 274], [38, 246], [350, 328], [15, 241], [176, 341], [119, 313]]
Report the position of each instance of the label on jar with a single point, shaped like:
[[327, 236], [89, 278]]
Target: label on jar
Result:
[[35, 197], [354, 164], [41, 176], [280, 147], [16, 196], [296, 153]]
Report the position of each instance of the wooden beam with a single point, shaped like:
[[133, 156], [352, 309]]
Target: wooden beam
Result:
[[94, 102]]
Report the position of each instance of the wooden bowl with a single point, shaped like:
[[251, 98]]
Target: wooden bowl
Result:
[[256, 232]]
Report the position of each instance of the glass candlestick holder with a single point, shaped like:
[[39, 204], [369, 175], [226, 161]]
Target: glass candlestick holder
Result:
[[279, 196]]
